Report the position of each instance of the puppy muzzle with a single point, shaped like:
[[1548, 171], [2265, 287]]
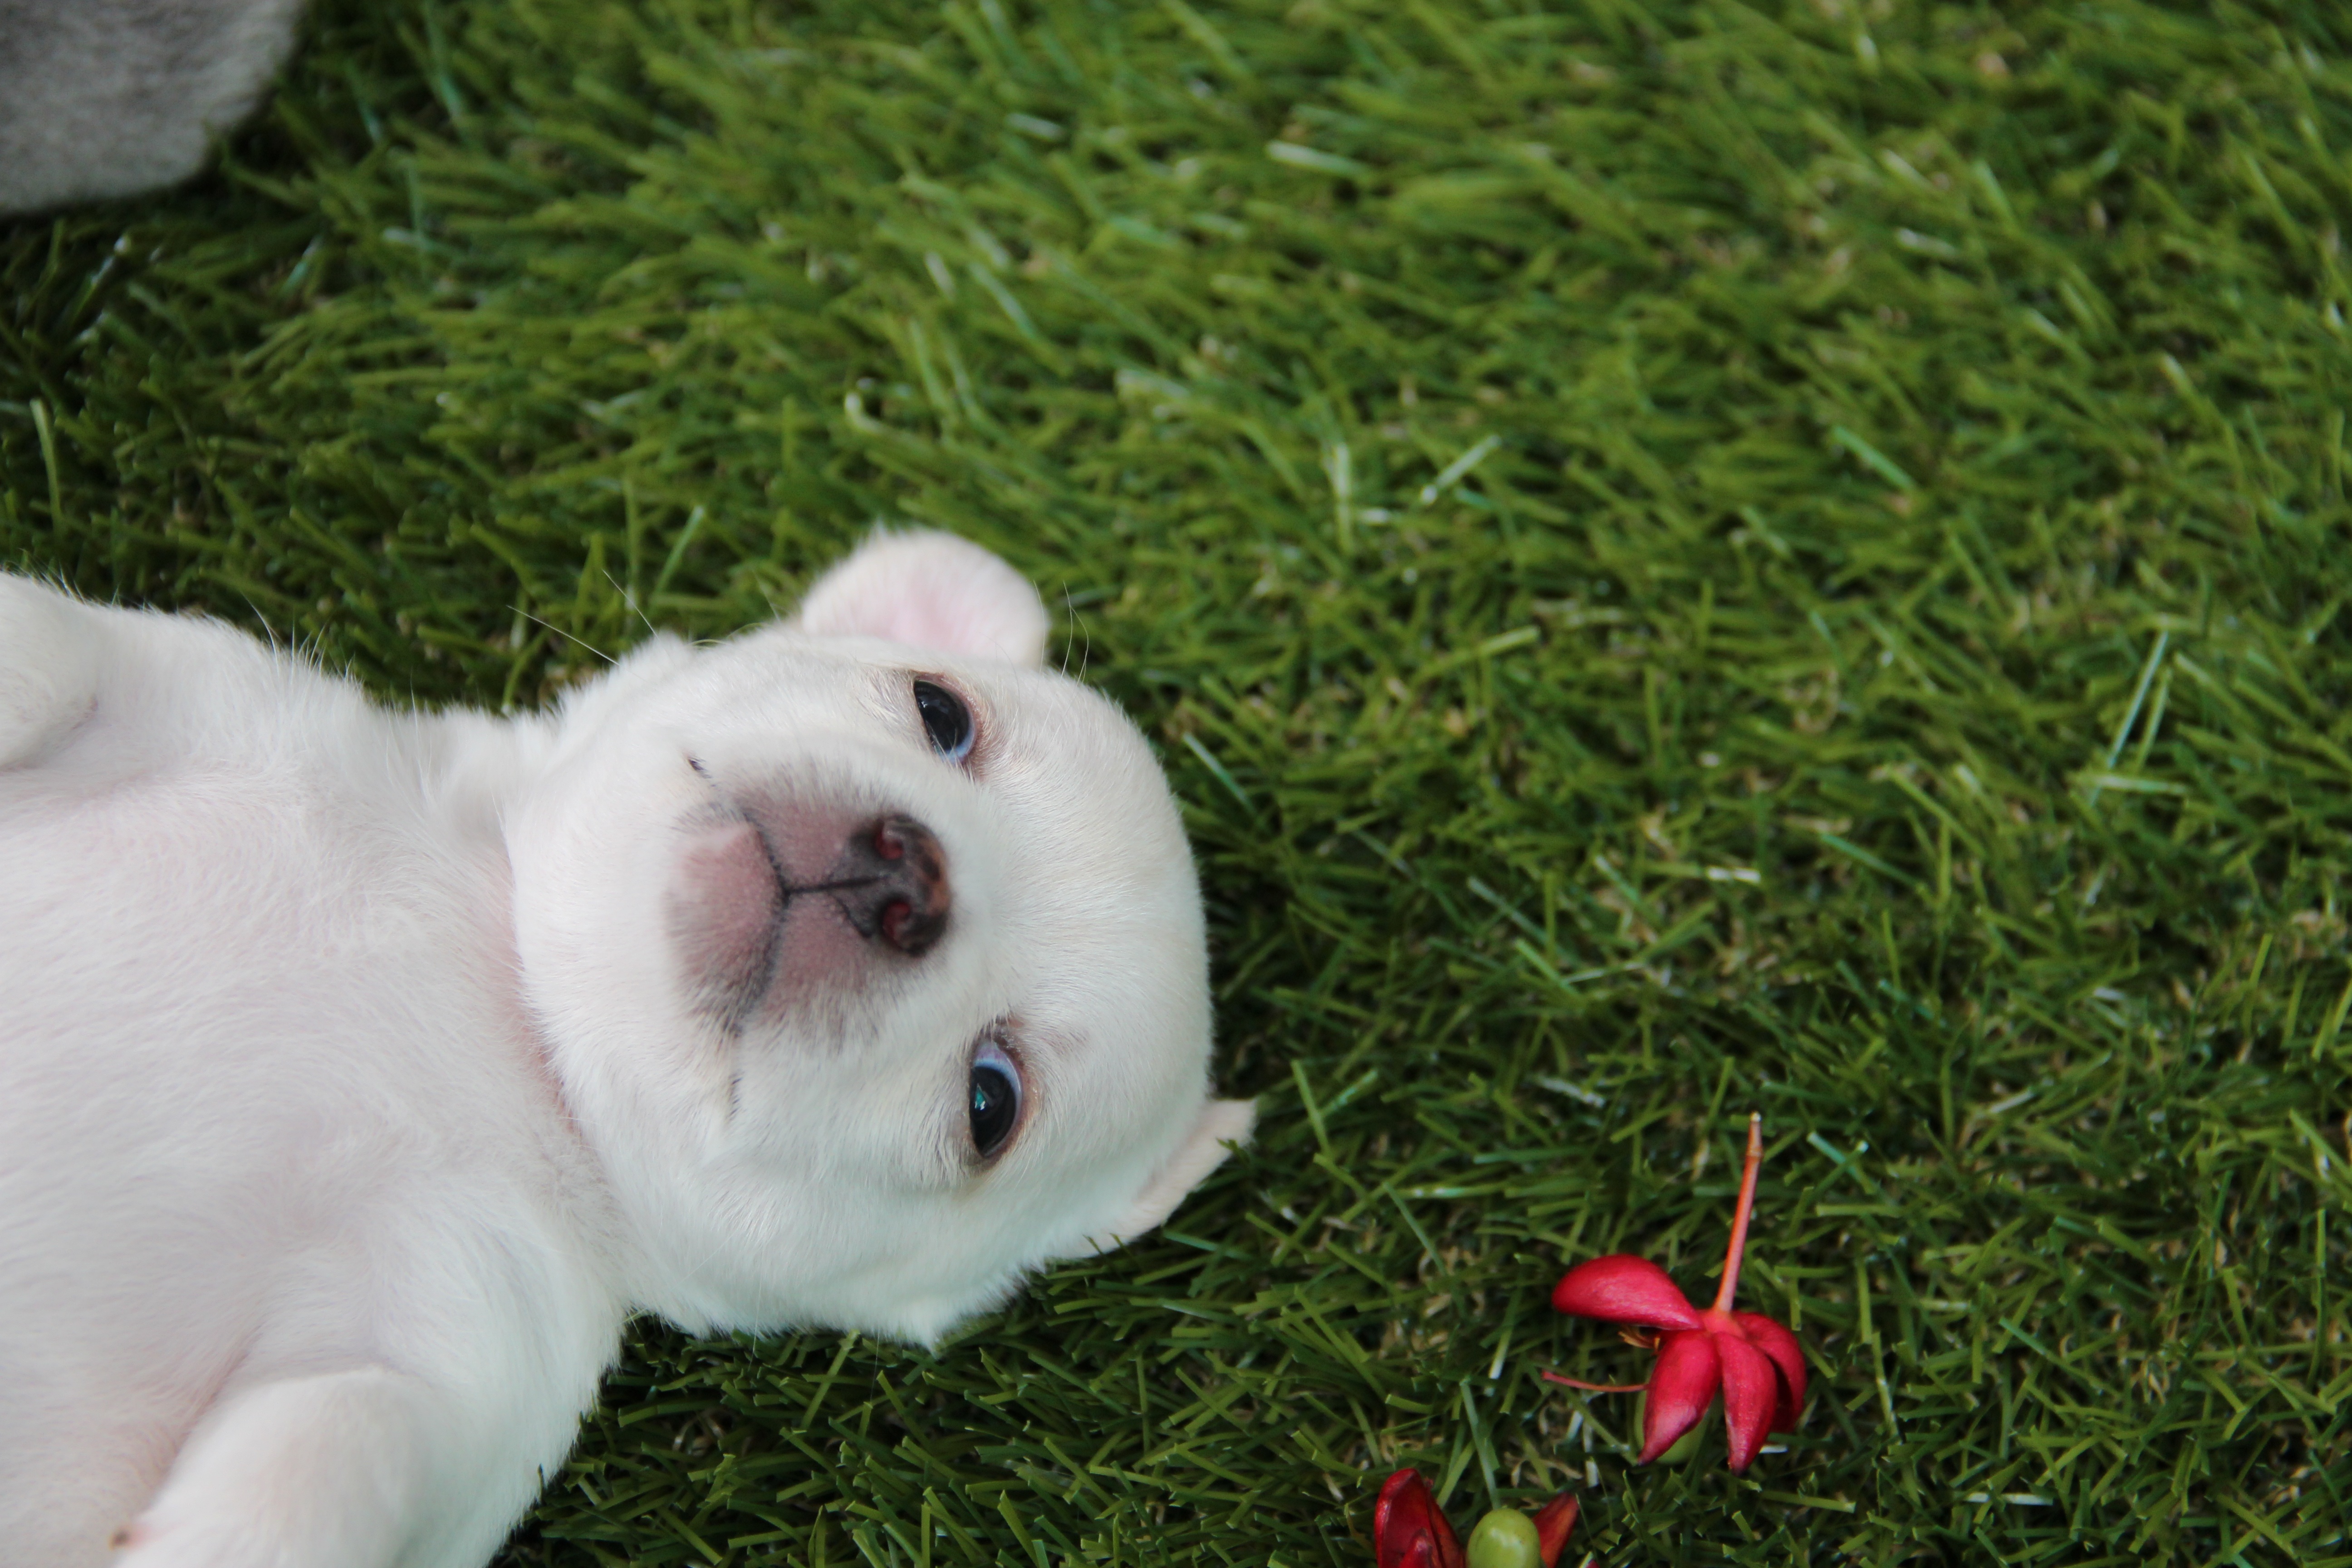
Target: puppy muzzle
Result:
[[782, 902]]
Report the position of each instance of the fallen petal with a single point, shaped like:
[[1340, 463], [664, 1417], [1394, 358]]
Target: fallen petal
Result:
[[1553, 1522], [1408, 1532], [1623, 1289], [1681, 1387], [1788, 1361], [1441, 1534], [1751, 1388]]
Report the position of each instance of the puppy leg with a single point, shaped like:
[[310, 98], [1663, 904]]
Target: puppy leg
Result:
[[49, 649], [328, 1472]]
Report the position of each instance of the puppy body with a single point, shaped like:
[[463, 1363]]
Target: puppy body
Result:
[[109, 98], [360, 1071]]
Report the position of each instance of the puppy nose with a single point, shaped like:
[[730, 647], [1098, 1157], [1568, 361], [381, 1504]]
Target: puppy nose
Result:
[[892, 883]]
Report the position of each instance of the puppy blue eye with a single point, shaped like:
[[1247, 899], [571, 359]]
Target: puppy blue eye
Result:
[[945, 720], [995, 1099]]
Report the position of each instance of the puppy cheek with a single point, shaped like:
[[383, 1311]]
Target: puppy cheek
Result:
[[723, 911]]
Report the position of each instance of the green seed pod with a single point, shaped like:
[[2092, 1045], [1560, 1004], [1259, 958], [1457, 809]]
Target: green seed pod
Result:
[[1506, 1538]]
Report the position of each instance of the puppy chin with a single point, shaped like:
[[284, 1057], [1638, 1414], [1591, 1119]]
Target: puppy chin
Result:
[[744, 1252], [924, 1321]]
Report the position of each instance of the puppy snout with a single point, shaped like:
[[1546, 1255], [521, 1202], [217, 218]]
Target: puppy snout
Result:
[[891, 883]]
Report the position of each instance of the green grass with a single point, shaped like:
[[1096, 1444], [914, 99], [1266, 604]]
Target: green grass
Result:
[[1680, 557]]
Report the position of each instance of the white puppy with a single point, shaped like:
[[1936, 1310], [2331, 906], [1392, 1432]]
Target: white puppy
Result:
[[362, 1071]]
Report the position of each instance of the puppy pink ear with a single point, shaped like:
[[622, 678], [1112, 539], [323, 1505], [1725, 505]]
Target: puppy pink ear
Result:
[[930, 591], [1224, 1125]]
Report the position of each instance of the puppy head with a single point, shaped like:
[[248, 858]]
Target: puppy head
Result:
[[870, 955]]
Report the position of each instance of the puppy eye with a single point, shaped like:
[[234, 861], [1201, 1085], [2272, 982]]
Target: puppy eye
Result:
[[945, 720], [995, 1099]]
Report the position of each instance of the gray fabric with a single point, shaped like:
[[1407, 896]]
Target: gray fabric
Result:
[[108, 97]]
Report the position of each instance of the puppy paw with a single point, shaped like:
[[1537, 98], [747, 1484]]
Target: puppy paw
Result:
[[48, 669], [141, 1544], [320, 1471], [221, 1536]]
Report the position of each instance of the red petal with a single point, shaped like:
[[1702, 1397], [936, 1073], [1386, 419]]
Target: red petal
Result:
[[1623, 1289], [1681, 1387], [1402, 1537], [1750, 1388], [1787, 1360], [1449, 1551], [1557, 1518]]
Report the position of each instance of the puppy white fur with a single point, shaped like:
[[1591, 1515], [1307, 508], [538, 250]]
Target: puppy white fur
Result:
[[109, 98], [362, 1071]]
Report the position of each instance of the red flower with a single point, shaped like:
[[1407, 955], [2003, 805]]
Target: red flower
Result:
[[1755, 1361], [1408, 1531]]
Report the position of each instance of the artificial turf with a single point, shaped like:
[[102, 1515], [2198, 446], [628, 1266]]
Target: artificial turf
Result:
[[1680, 557]]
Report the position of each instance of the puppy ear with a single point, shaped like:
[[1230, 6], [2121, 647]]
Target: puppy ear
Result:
[[929, 590], [1224, 1125]]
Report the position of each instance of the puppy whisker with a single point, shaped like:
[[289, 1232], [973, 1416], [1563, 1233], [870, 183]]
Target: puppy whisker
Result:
[[630, 599], [559, 631], [1070, 607]]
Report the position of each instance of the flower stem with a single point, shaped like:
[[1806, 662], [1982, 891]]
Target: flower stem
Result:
[[1551, 1376], [1739, 1219]]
